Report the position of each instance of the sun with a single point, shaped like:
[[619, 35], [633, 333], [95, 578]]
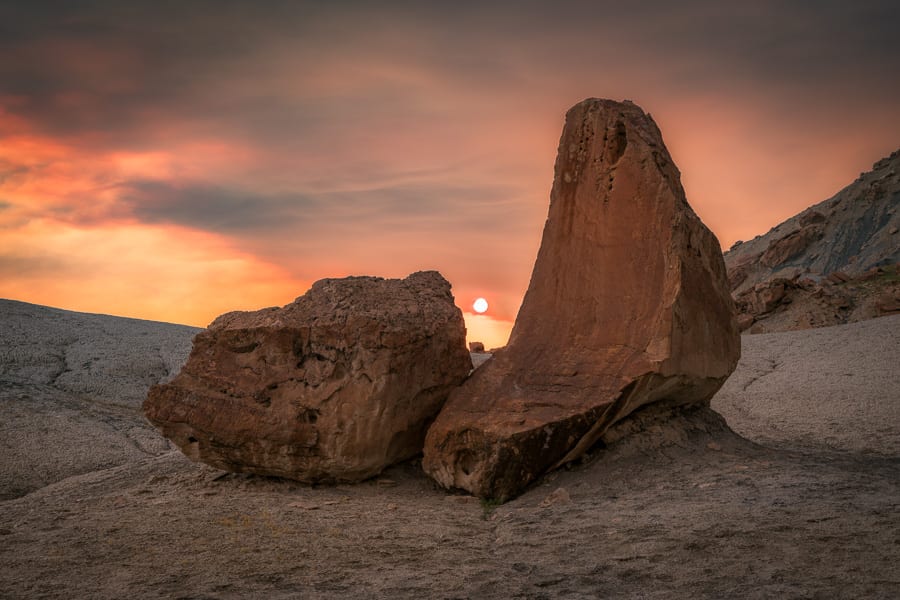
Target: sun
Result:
[[480, 305]]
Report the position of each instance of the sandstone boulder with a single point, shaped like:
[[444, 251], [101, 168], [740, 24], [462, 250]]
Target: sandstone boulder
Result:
[[791, 245], [745, 321], [838, 277], [887, 302], [335, 386], [628, 304], [737, 275], [811, 216], [765, 297]]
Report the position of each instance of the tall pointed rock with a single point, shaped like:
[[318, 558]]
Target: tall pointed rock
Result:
[[628, 304]]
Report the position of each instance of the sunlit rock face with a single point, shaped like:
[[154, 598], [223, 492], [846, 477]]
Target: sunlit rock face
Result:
[[628, 304], [335, 386]]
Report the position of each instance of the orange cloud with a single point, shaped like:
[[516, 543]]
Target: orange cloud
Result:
[[150, 272]]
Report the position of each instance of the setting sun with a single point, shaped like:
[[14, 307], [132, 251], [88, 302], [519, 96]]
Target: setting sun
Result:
[[480, 305]]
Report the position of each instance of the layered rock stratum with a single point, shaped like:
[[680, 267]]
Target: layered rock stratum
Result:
[[335, 386], [836, 262], [628, 304]]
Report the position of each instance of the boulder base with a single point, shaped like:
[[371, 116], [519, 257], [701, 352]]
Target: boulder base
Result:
[[628, 304], [335, 386]]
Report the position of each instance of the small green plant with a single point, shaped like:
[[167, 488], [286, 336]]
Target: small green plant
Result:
[[488, 505], [887, 277], [890, 275]]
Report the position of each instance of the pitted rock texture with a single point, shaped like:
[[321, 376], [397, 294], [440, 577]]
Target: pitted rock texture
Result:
[[335, 386], [628, 304]]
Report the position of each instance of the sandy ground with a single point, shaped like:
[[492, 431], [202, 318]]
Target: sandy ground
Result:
[[804, 503]]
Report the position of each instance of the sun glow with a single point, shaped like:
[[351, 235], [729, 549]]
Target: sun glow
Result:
[[480, 305]]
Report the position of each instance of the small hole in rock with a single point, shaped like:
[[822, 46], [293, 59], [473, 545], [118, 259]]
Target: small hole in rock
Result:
[[466, 462]]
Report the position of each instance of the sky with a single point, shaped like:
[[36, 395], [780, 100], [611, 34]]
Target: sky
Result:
[[177, 160]]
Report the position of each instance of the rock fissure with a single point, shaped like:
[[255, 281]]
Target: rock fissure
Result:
[[770, 368]]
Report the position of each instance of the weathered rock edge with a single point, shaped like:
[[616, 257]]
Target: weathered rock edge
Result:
[[335, 386], [628, 304]]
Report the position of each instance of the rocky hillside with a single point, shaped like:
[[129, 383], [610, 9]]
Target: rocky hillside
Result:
[[835, 262]]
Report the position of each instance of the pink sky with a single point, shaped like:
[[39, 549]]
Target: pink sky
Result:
[[177, 166]]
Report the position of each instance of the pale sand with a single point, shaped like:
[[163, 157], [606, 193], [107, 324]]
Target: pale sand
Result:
[[806, 507], [829, 388]]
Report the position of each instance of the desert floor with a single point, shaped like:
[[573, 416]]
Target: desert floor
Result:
[[800, 500]]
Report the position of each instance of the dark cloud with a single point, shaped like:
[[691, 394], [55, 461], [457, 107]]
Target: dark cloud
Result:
[[473, 233], [803, 45], [22, 266], [253, 69], [317, 215], [208, 207], [9, 171]]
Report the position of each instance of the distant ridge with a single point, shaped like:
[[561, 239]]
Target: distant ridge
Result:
[[8, 303]]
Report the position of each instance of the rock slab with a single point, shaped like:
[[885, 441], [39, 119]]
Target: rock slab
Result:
[[628, 304], [335, 386]]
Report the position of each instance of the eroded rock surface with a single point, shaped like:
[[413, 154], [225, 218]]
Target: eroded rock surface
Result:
[[628, 304], [335, 386]]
